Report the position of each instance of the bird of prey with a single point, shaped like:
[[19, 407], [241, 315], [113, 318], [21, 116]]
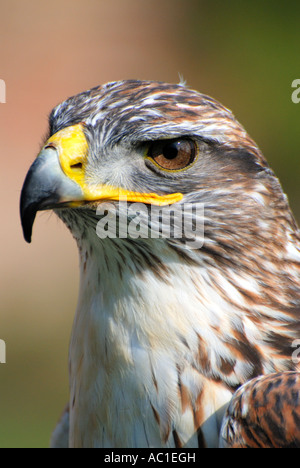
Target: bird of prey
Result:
[[168, 329]]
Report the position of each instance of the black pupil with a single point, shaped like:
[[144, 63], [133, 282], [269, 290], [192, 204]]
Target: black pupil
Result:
[[170, 151]]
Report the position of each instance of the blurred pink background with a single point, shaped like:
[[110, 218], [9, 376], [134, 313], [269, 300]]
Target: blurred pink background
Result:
[[245, 56]]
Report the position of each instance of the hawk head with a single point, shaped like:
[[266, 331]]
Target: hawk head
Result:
[[166, 331], [143, 141]]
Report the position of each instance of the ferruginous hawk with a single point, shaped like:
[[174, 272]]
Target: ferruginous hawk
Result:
[[169, 327]]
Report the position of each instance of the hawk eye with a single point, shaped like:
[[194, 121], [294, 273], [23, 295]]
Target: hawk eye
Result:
[[173, 155]]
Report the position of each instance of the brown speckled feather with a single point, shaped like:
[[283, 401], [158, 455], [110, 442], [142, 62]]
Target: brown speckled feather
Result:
[[264, 413]]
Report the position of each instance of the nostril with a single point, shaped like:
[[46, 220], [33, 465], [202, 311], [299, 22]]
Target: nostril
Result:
[[76, 166]]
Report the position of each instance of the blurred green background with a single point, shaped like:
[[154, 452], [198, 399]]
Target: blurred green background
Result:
[[245, 54]]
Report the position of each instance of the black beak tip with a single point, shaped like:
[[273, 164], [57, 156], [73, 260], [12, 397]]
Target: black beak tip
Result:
[[27, 239], [28, 215], [27, 232]]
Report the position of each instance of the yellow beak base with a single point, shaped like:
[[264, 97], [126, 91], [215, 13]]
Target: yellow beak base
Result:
[[72, 147]]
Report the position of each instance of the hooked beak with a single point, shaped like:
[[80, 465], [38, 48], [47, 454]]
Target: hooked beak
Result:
[[57, 179]]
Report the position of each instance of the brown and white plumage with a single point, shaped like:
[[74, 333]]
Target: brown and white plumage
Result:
[[164, 334], [264, 413]]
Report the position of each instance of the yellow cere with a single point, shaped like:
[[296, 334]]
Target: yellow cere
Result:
[[72, 148]]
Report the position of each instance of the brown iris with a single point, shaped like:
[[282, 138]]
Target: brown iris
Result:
[[173, 155]]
